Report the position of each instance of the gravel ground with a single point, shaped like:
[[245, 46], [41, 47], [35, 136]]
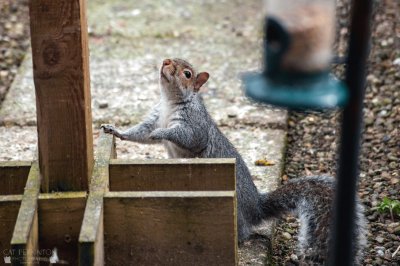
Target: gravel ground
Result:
[[14, 40], [313, 139]]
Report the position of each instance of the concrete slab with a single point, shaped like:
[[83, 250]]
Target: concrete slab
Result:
[[18, 143], [128, 41], [19, 107]]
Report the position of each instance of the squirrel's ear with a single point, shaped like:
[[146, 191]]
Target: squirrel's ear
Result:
[[201, 79]]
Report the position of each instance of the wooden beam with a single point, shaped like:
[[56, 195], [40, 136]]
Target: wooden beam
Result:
[[172, 175], [24, 242], [62, 85], [91, 238], [60, 219], [9, 206], [13, 176], [170, 228]]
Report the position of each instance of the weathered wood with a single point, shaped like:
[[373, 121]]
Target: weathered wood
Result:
[[60, 220], [9, 206], [24, 242], [61, 77], [91, 252], [172, 175], [27, 253], [170, 228], [91, 237], [13, 176]]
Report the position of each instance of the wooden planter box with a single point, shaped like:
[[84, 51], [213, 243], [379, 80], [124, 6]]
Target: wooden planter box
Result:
[[137, 212]]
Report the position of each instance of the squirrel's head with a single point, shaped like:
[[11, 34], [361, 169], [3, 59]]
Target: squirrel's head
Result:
[[179, 79]]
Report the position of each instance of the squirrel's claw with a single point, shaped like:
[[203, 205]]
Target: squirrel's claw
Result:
[[108, 128]]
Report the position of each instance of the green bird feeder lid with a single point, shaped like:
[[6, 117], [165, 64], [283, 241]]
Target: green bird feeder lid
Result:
[[313, 92]]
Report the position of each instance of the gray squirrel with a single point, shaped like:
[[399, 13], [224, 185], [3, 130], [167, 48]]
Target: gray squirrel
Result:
[[181, 122]]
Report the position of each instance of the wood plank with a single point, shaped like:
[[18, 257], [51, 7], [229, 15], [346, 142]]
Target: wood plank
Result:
[[92, 252], [9, 206], [61, 77], [13, 176], [91, 237], [60, 219], [27, 253], [24, 242], [170, 228], [172, 175]]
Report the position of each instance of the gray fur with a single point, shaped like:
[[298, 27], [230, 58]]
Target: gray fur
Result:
[[310, 198], [181, 122]]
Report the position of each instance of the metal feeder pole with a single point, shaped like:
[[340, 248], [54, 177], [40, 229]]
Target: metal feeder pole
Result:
[[341, 250]]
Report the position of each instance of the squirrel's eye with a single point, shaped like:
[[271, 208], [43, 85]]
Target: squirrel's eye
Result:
[[188, 74]]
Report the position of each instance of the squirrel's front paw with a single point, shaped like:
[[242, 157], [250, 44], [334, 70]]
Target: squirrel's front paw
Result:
[[157, 134], [108, 129]]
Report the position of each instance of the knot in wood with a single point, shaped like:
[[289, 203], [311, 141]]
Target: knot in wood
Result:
[[51, 54]]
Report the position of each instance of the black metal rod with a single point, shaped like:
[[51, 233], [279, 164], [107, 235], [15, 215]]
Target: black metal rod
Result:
[[341, 250]]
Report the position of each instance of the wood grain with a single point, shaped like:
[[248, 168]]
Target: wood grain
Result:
[[24, 242], [91, 237], [60, 220], [170, 228], [9, 206], [13, 176], [62, 86], [172, 175]]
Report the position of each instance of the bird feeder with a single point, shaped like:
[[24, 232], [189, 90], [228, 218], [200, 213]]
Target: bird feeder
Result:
[[298, 41]]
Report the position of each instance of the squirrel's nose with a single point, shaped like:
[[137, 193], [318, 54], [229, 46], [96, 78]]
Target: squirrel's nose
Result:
[[167, 62]]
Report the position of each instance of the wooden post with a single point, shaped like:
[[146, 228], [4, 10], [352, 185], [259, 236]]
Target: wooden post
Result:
[[62, 85]]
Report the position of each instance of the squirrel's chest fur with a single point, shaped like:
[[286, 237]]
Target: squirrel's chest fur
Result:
[[166, 111], [170, 116]]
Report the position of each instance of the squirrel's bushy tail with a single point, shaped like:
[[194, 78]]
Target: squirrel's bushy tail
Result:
[[311, 200], [303, 194]]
